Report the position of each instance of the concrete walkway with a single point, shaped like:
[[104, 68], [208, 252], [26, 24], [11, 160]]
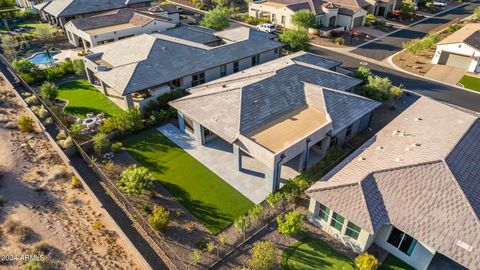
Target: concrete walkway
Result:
[[446, 74], [217, 155]]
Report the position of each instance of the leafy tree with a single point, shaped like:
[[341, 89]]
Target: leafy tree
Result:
[[366, 261], [44, 33], [256, 212], [24, 66], [48, 91], [159, 218], [130, 121], [296, 39], [221, 3], [25, 123], [274, 199], [79, 67], [242, 224], [9, 46], [264, 256], [100, 143], [476, 13], [291, 223], [362, 73], [304, 18], [216, 19], [408, 9], [378, 88], [135, 180]]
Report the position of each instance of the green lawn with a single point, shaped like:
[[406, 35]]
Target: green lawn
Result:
[[214, 202], [83, 98], [470, 82], [24, 25], [394, 263], [311, 253]]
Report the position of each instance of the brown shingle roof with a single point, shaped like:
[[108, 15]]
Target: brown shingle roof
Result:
[[469, 34]]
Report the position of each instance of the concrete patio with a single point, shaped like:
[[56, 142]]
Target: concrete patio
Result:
[[217, 155]]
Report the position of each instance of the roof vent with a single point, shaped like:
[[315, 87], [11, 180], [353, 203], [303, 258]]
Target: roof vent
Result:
[[362, 158], [396, 132], [398, 159], [464, 245], [417, 144], [164, 48], [380, 147], [224, 86], [418, 119], [407, 149], [255, 102]]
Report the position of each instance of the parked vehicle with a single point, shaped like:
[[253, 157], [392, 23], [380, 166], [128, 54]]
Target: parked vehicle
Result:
[[440, 3], [266, 27]]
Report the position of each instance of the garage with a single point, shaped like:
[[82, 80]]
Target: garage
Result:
[[357, 22], [455, 60]]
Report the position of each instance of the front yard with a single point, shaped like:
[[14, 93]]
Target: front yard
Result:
[[210, 199], [84, 98], [469, 82], [394, 263], [312, 253]]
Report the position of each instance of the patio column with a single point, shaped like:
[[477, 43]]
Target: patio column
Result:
[[128, 101], [303, 157], [104, 88], [272, 176], [89, 74], [181, 122], [237, 157], [198, 133]]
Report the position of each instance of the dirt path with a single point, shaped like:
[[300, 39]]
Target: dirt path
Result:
[[41, 213]]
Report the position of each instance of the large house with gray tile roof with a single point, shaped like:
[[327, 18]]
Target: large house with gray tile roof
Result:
[[59, 12], [135, 70], [278, 111], [413, 189]]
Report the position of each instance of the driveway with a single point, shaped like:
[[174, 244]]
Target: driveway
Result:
[[446, 74], [391, 44]]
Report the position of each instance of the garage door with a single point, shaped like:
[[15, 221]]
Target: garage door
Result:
[[456, 60], [357, 22]]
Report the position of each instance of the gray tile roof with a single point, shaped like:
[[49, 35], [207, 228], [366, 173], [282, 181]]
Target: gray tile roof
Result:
[[420, 173], [347, 7], [62, 8], [193, 33], [146, 61], [246, 101], [474, 40]]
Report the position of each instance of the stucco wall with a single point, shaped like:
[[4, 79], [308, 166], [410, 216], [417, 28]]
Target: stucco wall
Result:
[[420, 258], [459, 48], [279, 11]]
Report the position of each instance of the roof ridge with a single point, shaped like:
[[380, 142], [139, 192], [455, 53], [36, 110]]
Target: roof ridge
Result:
[[364, 200], [206, 85], [342, 185], [190, 97], [403, 167], [460, 189]]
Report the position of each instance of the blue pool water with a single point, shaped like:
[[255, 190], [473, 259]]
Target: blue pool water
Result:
[[42, 58]]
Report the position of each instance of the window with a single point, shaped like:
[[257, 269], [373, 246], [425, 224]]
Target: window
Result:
[[349, 132], [333, 141], [275, 51], [352, 230], [337, 221], [236, 66], [255, 60], [274, 17], [223, 70], [198, 79], [402, 241], [324, 212], [283, 20]]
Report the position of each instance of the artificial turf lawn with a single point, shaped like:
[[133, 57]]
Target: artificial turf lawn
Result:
[[311, 253], [214, 202], [470, 82], [83, 98], [394, 263]]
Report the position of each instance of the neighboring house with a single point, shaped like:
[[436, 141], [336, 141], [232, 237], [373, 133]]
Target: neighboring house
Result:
[[28, 4], [382, 7], [279, 111], [336, 13], [119, 24], [413, 189], [59, 12], [139, 69], [461, 49]]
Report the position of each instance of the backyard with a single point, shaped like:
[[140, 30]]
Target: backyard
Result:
[[469, 82], [84, 98], [210, 199], [393, 263], [311, 253]]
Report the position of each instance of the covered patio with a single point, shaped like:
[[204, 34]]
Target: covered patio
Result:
[[218, 156]]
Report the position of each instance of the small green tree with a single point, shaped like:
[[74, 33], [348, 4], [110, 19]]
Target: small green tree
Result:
[[296, 39], [275, 199], [25, 123], [100, 143], [408, 9], [362, 73], [135, 180], [264, 256], [24, 66], [44, 33], [48, 91], [242, 224], [196, 256], [366, 261], [378, 88], [256, 212], [34, 265], [304, 18], [216, 19], [79, 67], [291, 223], [159, 218]]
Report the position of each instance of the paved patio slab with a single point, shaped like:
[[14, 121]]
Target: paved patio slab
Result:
[[217, 155]]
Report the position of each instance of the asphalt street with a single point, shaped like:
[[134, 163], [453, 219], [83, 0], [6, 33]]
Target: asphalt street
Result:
[[391, 44]]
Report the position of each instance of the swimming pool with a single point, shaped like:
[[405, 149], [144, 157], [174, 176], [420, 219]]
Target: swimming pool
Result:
[[42, 58]]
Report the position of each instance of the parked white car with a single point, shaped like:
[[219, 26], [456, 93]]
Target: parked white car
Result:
[[440, 3], [266, 27]]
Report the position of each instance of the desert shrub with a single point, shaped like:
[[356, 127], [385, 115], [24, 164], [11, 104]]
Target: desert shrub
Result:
[[362, 73], [44, 33], [34, 265], [476, 13], [296, 39], [366, 261], [264, 256], [116, 147], [135, 180], [48, 91], [54, 73], [31, 100], [159, 218], [396, 91], [42, 112], [242, 223], [79, 67], [256, 212], [76, 128], [291, 223], [421, 44], [339, 41], [75, 182], [25, 123], [24, 66], [370, 18], [453, 27], [380, 24], [100, 143], [130, 121], [216, 19], [200, 5], [275, 199], [378, 88], [97, 225], [61, 135], [304, 18], [336, 33], [65, 143], [201, 244], [24, 45], [9, 45], [196, 256]]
